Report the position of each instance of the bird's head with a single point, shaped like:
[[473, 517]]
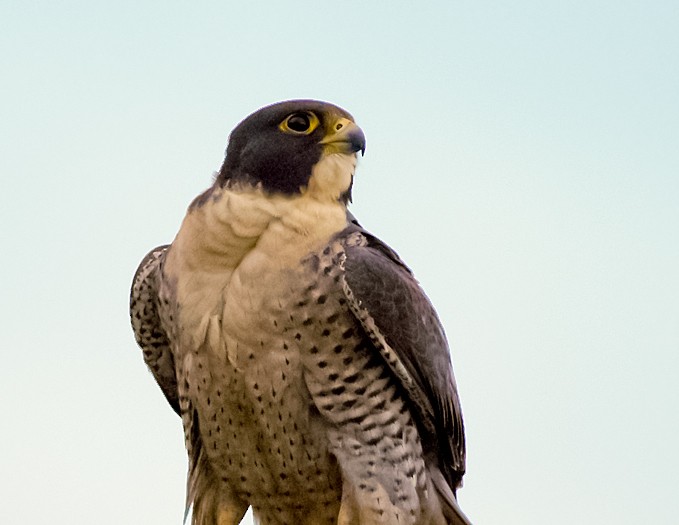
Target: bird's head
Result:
[[293, 147]]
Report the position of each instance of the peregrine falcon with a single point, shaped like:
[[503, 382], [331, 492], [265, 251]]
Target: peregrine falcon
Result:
[[311, 373]]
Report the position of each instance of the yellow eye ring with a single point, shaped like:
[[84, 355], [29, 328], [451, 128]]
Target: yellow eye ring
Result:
[[299, 123]]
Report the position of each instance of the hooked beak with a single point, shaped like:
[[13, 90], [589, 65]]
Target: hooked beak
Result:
[[344, 136]]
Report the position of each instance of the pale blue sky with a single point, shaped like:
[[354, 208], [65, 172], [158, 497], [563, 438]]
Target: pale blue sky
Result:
[[523, 158]]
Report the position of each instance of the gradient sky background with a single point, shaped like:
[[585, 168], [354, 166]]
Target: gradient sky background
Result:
[[523, 158]]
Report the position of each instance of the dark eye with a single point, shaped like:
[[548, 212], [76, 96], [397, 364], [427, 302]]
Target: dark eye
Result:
[[300, 123]]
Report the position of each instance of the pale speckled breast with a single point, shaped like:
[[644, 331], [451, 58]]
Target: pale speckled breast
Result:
[[264, 436]]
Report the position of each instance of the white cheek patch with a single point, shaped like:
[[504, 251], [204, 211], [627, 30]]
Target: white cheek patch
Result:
[[331, 176]]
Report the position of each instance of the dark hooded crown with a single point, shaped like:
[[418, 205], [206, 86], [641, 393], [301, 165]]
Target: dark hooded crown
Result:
[[259, 151]]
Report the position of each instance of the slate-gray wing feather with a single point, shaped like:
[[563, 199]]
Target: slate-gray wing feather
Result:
[[406, 330]]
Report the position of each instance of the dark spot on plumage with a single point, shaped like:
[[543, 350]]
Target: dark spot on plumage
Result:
[[373, 441], [391, 420], [368, 427], [352, 378], [394, 396]]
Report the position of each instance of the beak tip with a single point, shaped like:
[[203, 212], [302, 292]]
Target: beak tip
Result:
[[357, 139]]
